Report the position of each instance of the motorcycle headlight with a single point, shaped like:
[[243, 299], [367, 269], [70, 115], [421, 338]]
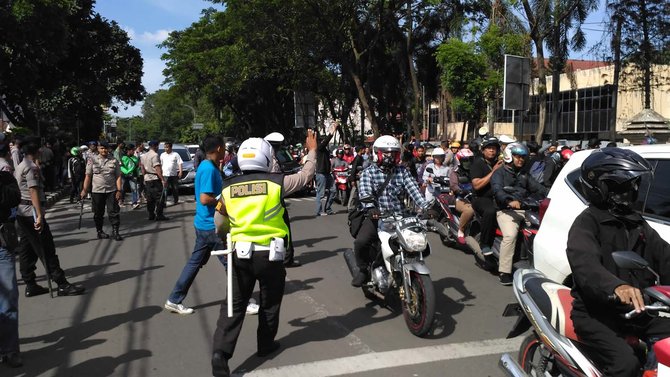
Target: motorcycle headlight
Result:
[[415, 242]]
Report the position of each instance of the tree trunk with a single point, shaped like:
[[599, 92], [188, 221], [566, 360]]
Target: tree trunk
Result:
[[416, 107], [362, 96], [616, 48], [557, 65], [541, 89], [646, 48]]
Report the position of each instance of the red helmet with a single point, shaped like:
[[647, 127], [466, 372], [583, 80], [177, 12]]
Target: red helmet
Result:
[[566, 154]]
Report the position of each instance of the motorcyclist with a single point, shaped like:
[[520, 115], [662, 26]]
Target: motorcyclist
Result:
[[440, 167], [338, 161], [510, 186], [610, 179], [386, 156], [481, 171], [348, 154], [553, 165]]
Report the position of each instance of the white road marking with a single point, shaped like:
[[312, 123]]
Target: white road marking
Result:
[[306, 199], [389, 359]]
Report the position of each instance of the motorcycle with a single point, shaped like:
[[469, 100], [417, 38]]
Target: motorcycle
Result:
[[449, 217], [341, 177], [408, 278], [523, 252], [553, 348]]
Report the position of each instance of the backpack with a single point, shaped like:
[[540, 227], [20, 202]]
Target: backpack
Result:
[[537, 170], [78, 167]]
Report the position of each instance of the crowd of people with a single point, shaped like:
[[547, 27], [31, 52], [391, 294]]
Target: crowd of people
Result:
[[240, 199]]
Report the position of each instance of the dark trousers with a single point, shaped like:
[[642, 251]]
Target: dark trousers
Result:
[[486, 210], [173, 187], [608, 349], [35, 245], [270, 276], [155, 197], [366, 236], [76, 188], [100, 201]]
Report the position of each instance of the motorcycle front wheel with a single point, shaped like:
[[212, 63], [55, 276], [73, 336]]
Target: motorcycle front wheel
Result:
[[532, 360], [420, 309]]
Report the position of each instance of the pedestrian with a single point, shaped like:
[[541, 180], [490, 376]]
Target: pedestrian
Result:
[[10, 197], [120, 151], [252, 205], [35, 238], [139, 151], [103, 176], [324, 178], [154, 182], [92, 150], [76, 170], [208, 184], [171, 163], [130, 165]]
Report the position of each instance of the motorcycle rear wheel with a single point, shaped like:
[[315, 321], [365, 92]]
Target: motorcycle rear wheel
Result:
[[420, 311], [531, 359]]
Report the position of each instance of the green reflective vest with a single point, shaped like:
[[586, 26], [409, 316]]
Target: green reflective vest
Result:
[[255, 207]]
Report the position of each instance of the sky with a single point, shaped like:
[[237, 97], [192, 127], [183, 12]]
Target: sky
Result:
[[148, 23]]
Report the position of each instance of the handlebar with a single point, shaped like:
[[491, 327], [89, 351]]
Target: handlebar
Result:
[[657, 307]]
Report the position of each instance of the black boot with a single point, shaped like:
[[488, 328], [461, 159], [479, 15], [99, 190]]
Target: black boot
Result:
[[102, 235], [32, 289], [359, 279], [220, 365], [115, 234], [67, 289]]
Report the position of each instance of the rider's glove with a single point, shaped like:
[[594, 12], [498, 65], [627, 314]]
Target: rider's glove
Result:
[[374, 213]]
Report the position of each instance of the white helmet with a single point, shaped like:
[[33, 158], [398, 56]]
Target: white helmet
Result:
[[438, 151], [255, 154], [386, 143], [274, 137]]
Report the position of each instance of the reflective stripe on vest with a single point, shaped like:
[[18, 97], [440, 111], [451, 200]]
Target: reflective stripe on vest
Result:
[[255, 208]]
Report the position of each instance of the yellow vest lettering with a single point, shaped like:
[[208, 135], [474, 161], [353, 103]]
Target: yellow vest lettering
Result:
[[255, 207]]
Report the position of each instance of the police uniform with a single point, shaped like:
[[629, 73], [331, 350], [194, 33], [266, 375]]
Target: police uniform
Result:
[[104, 173], [31, 242], [153, 185], [255, 207]]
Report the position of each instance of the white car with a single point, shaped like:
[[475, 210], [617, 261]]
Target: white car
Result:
[[565, 202]]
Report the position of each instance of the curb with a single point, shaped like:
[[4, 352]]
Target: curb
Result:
[[54, 196]]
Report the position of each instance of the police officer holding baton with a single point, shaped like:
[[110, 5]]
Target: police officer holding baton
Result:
[[253, 205]]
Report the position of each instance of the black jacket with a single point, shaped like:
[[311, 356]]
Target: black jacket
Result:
[[593, 237], [524, 186], [323, 156]]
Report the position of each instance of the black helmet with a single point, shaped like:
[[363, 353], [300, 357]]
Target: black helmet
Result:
[[489, 142], [612, 175]]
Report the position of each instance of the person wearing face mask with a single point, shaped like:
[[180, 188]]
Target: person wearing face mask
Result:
[[509, 214], [610, 180]]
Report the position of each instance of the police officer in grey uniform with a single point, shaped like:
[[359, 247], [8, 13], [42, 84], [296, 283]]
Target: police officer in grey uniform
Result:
[[154, 182], [36, 240], [104, 172]]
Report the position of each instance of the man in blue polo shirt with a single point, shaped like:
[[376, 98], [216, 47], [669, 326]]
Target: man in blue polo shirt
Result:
[[208, 184]]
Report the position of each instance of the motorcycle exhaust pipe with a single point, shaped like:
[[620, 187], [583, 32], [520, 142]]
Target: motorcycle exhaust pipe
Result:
[[350, 258], [511, 367]]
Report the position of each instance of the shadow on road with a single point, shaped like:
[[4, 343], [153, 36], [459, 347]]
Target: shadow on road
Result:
[[323, 329], [115, 277], [63, 342], [446, 307], [316, 255], [310, 242], [293, 286]]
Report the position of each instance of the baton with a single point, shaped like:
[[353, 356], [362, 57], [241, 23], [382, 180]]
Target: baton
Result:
[[81, 211], [229, 278], [40, 254]]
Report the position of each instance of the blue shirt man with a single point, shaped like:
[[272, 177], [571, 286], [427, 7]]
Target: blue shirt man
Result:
[[208, 184]]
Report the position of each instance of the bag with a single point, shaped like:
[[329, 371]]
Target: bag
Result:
[[78, 167], [8, 237], [537, 170]]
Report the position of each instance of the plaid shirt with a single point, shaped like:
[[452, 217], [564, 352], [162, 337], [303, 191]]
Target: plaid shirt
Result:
[[390, 199]]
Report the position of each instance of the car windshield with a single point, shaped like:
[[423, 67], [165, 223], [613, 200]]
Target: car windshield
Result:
[[192, 150], [183, 153]]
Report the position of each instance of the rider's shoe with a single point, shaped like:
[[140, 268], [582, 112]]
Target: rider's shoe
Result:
[[505, 278], [359, 279]]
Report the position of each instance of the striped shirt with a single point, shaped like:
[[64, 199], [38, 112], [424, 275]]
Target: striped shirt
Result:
[[390, 200]]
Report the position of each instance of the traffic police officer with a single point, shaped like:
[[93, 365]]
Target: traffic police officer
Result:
[[36, 240], [104, 173], [253, 207]]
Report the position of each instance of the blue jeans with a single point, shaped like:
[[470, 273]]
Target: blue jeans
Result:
[[9, 304], [205, 242], [132, 182], [324, 182]]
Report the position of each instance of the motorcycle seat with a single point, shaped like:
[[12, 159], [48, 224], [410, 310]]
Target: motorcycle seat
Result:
[[555, 303]]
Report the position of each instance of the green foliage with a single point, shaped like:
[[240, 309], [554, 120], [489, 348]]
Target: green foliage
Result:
[[464, 76]]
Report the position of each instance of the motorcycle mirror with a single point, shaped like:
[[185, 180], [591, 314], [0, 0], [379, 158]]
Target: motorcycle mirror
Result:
[[429, 170], [629, 260]]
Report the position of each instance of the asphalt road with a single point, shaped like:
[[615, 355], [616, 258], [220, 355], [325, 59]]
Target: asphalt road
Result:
[[327, 328]]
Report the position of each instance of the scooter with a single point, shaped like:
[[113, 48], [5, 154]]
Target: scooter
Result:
[[341, 177], [446, 212], [408, 279], [553, 348]]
